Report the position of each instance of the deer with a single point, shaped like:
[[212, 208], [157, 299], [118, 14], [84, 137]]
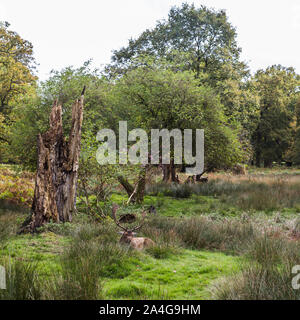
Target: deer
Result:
[[128, 235]]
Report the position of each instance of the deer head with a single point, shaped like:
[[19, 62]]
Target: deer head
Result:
[[128, 235]]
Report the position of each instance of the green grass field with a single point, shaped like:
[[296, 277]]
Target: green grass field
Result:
[[207, 238]]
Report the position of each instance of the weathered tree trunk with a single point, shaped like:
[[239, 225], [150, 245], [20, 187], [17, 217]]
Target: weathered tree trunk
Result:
[[258, 159], [166, 172], [267, 163], [127, 186], [57, 170], [169, 172], [141, 185], [135, 194]]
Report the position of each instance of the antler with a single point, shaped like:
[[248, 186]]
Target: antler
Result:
[[114, 210], [144, 214]]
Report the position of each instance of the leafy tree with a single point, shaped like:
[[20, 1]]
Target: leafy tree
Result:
[[293, 154], [276, 87], [203, 41], [16, 66], [197, 39], [155, 97], [32, 116], [16, 80]]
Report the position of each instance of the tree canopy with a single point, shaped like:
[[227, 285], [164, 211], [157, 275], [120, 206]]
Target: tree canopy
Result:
[[198, 39], [276, 87], [16, 66]]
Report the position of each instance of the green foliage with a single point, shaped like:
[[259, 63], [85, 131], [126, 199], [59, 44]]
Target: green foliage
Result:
[[33, 117], [155, 97], [293, 154], [198, 39], [16, 64], [276, 87], [95, 182], [16, 80]]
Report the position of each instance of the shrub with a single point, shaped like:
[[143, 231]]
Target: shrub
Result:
[[80, 273]]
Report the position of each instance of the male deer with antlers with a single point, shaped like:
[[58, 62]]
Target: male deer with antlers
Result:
[[128, 235]]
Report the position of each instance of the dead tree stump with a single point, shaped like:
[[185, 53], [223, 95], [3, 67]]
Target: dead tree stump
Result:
[[57, 169]]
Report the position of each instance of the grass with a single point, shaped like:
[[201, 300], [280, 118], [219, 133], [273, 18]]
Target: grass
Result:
[[42, 249], [184, 276], [191, 256], [22, 282], [245, 194], [267, 276], [235, 237], [91, 265]]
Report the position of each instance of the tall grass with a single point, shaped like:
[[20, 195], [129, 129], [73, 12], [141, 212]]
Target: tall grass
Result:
[[8, 224], [257, 283], [245, 194], [203, 233], [22, 282], [266, 269], [268, 276], [93, 254]]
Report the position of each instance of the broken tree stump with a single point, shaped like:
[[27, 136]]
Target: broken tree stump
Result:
[[57, 169]]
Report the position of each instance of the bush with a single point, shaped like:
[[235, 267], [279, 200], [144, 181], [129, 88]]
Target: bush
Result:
[[162, 251], [80, 273]]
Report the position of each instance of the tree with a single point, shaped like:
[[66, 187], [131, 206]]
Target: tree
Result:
[[31, 114], [16, 66], [203, 41], [3, 134], [57, 171], [155, 97], [197, 39], [293, 154], [276, 87]]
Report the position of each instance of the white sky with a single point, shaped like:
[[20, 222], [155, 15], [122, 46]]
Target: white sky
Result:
[[69, 32]]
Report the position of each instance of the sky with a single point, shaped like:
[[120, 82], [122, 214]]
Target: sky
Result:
[[69, 32]]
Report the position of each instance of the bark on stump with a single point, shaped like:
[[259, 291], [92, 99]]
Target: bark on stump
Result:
[[169, 172], [135, 194], [57, 170]]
